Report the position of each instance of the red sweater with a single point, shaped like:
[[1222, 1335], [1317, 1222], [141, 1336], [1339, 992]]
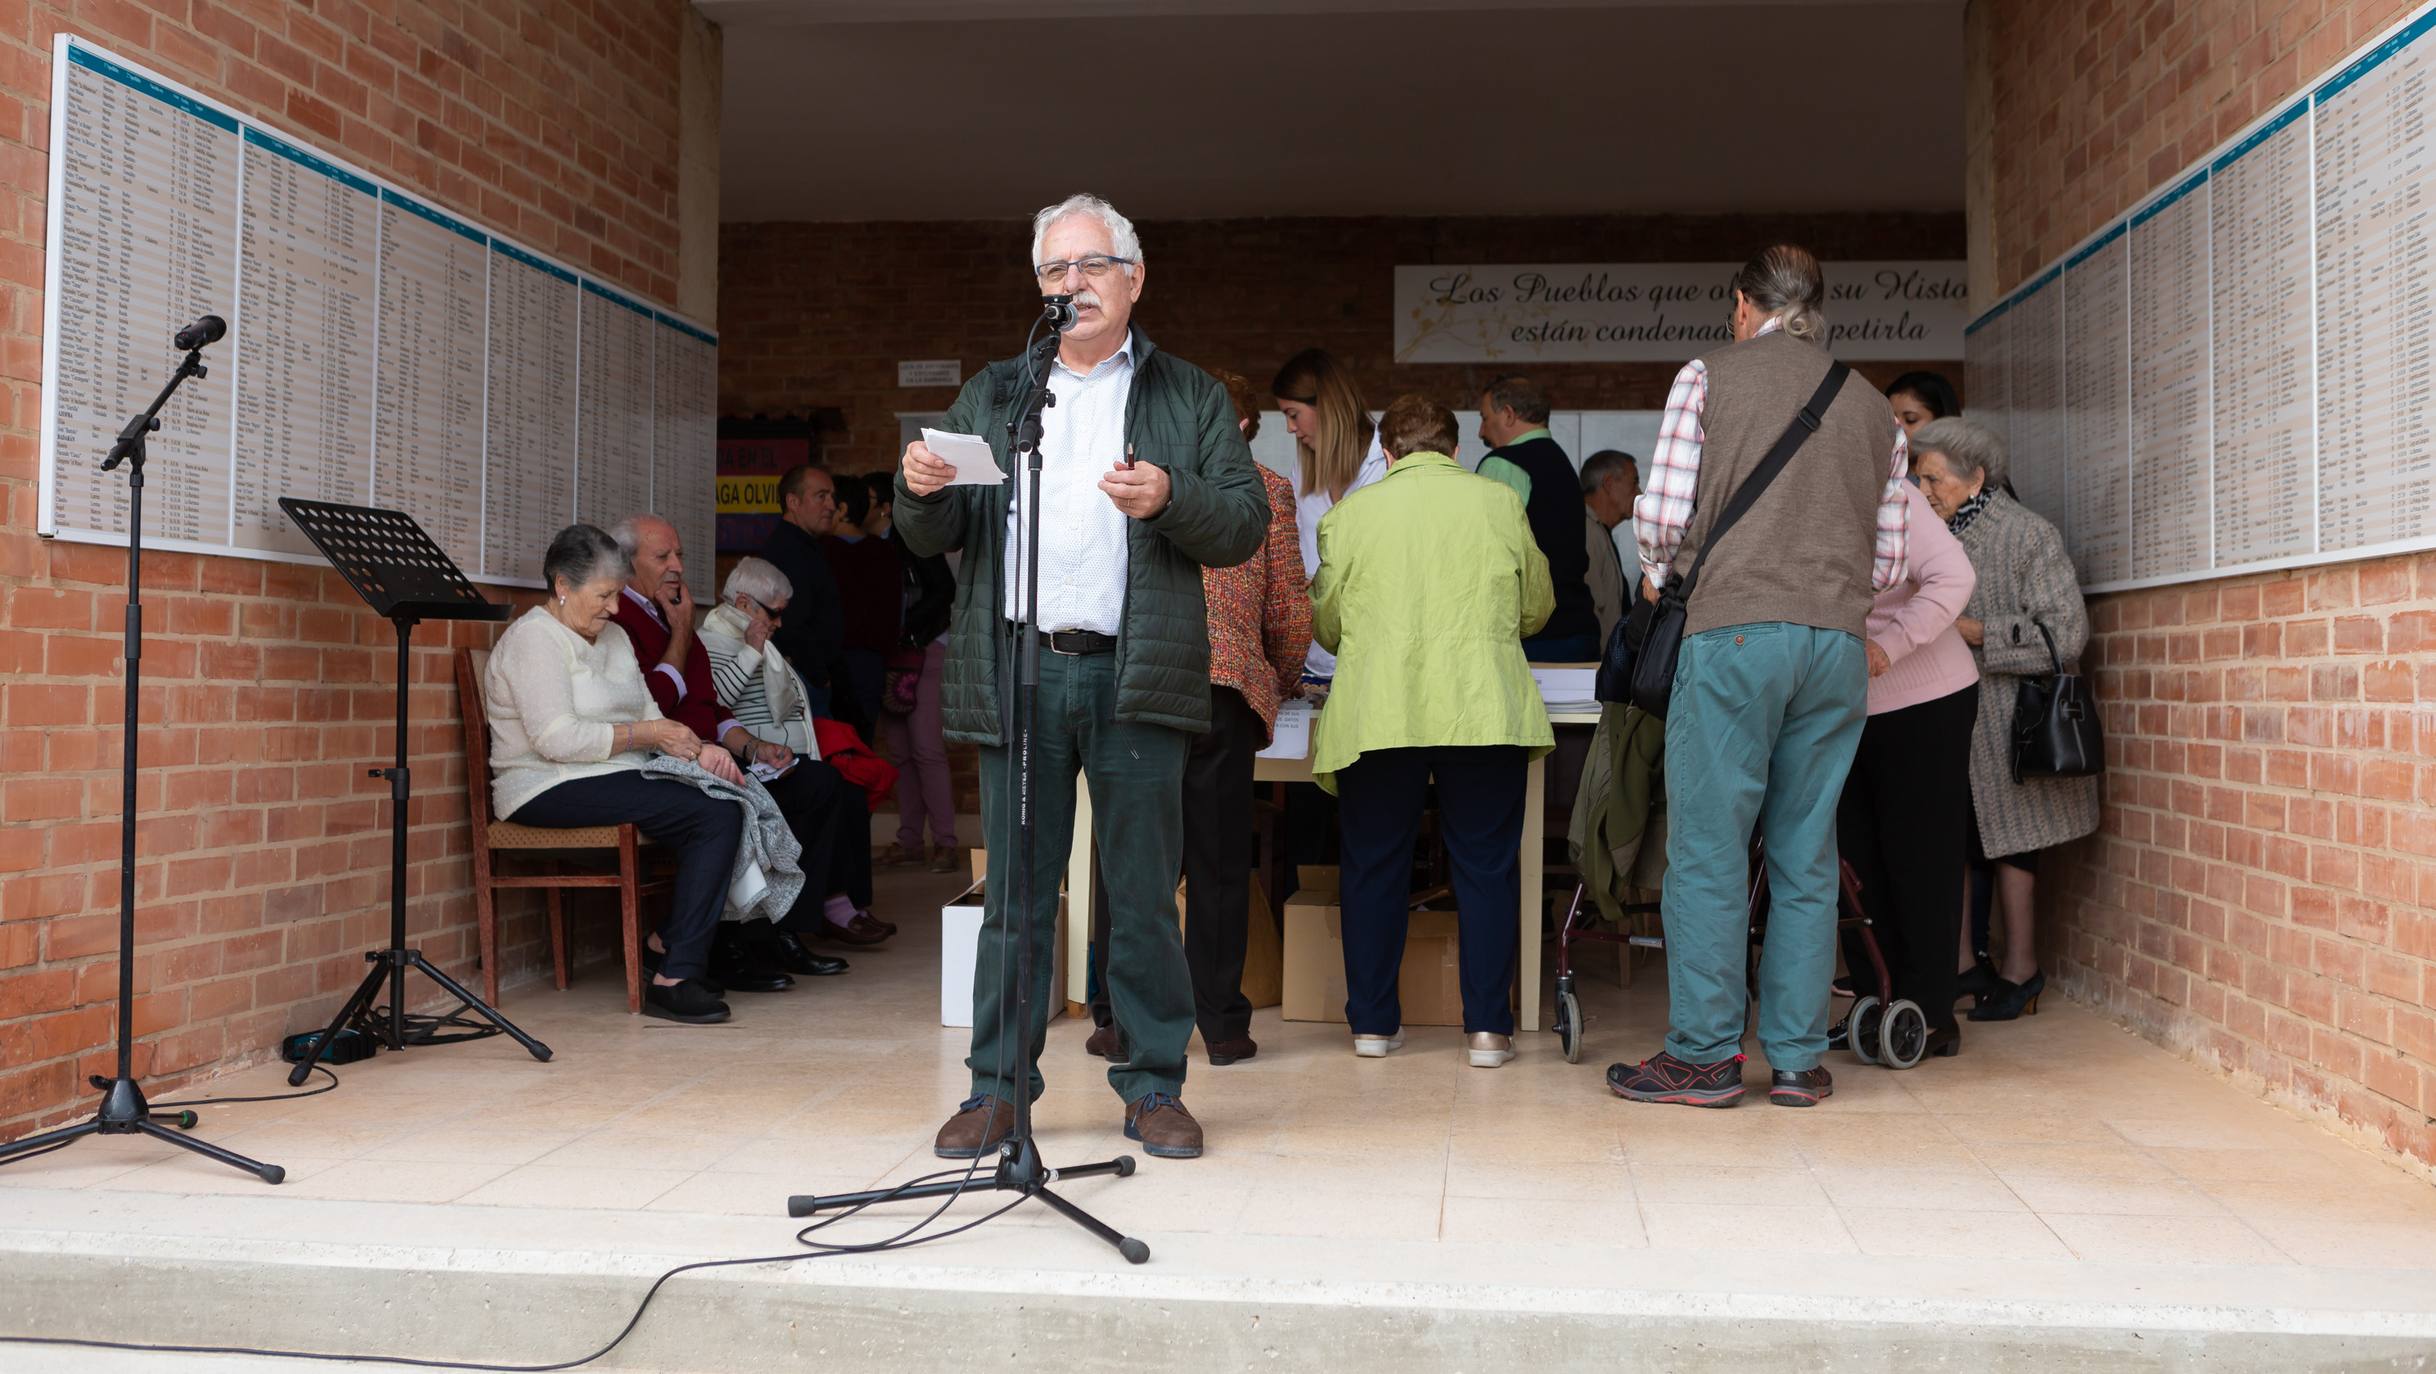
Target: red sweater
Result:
[[688, 698]]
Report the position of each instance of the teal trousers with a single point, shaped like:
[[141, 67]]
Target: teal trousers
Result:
[[1760, 733], [1136, 776]]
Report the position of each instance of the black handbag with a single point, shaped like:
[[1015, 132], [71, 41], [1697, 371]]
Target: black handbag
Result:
[[2056, 733], [1656, 631]]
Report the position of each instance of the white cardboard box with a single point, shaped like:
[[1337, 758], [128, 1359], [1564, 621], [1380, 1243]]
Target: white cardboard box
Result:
[[959, 945]]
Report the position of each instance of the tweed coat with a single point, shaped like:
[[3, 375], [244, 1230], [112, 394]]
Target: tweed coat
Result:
[[2025, 580]]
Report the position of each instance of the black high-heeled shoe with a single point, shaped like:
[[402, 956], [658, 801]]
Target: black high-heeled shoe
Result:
[[2011, 1000], [1977, 981], [1942, 1044]]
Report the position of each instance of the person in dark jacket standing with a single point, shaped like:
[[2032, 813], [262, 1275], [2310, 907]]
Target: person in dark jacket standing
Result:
[[813, 639], [870, 572], [1514, 423], [1145, 481]]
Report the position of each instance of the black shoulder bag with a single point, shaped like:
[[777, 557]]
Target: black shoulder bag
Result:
[[1654, 645], [2055, 723]]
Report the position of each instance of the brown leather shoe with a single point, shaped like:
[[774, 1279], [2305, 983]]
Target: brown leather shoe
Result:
[[976, 1129], [1166, 1130], [1228, 1051], [1105, 1042], [896, 856], [859, 932]]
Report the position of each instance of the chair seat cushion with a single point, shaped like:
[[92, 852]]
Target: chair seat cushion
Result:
[[509, 835]]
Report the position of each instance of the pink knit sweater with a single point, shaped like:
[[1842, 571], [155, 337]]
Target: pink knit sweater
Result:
[[1913, 621]]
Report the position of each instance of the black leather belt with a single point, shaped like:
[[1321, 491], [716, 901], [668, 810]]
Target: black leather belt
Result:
[[1075, 642]]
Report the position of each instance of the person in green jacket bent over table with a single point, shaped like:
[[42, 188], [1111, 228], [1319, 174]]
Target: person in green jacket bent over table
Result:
[[1429, 581]]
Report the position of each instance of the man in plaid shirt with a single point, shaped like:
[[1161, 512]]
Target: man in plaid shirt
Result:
[[1771, 683]]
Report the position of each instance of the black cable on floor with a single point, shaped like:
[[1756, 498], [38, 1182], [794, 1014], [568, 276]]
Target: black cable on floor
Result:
[[903, 1240]]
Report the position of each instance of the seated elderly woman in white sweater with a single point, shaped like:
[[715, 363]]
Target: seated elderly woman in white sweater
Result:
[[571, 725]]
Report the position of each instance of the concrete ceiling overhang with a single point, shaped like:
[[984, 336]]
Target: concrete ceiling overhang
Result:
[[851, 110]]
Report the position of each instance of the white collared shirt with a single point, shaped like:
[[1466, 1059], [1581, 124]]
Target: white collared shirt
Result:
[[1084, 558]]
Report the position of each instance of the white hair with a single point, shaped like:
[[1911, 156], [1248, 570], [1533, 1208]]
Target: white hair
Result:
[[1121, 239], [759, 579], [629, 532]]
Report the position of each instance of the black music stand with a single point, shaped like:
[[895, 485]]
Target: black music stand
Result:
[[406, 578]]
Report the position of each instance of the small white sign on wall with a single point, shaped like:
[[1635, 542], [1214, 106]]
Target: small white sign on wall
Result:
[[931, 372]]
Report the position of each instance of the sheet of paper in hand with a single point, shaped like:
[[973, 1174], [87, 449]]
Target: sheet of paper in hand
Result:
[[968, 454]]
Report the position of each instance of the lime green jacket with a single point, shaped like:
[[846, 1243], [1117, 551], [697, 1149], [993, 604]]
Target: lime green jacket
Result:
[[1428, 581]]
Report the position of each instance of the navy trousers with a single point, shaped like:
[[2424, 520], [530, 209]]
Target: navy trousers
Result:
[[701, 830], [1480, 814]]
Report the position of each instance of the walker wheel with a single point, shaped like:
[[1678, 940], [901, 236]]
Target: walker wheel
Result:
[[1861, 1029], [1569, 1024], [1902, 1034]]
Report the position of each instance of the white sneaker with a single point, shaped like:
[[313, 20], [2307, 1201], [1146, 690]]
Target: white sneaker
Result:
[[1490, 1050], [1377, 1046]]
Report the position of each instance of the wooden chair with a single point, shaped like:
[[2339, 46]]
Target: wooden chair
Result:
[[508, 837]]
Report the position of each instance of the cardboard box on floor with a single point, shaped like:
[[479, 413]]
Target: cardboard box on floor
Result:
[[959, 947], [1430, 985], [1263, 979]]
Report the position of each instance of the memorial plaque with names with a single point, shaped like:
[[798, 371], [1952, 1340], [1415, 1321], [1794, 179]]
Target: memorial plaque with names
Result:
[[427, 427], [2041, 451], [145, 242], [2172, 525], [529, 427], [613, 444], [2097, 348], [379, 349], [2376, 294], [1987, 365], [309, 254], [2260, 319], [685, 444]]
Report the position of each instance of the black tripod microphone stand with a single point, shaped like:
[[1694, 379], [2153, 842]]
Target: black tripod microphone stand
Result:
[[123, 1109], [1020, 1168]]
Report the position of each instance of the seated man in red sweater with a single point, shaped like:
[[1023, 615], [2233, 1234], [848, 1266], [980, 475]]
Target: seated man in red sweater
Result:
[[657, 613]]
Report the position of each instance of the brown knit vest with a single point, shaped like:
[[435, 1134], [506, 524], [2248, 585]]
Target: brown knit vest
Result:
[[1803, 554]]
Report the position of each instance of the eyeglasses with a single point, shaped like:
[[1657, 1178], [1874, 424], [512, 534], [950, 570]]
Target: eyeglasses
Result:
[[1094, 267]]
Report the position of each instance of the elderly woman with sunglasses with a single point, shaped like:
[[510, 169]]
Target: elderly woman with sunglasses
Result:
[[827, 813]]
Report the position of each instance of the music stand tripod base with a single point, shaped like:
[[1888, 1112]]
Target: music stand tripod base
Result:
[[406, 579]]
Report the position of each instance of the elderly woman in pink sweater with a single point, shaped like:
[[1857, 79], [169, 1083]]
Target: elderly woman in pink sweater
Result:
[[1903, 821]]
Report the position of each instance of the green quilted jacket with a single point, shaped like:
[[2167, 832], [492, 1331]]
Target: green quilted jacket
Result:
[[1176, 416]]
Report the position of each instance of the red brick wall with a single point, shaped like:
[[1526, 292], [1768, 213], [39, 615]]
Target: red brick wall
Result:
[[819, 314], [264, 850], [2261, 893]]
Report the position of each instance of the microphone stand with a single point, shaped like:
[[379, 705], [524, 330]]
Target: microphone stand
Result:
[[1020, 1169], [123, 1110]]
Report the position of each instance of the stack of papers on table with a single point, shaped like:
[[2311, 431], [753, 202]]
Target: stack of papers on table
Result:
[[1567, 688], [1292, 738]]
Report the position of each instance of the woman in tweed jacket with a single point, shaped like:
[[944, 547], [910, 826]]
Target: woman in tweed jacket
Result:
[[2026, 582]]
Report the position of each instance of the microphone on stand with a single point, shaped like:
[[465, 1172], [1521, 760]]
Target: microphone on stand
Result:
[[202, 333], [1058, 311]]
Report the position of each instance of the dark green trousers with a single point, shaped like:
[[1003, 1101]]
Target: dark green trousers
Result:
[[1136, 776]]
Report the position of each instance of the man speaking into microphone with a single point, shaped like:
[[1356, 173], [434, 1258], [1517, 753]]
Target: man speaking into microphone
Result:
[[1144, 481]]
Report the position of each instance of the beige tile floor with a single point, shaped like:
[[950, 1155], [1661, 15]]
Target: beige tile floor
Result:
[[2058, 1157]]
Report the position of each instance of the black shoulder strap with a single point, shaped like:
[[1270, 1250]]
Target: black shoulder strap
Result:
[[1804, 424]]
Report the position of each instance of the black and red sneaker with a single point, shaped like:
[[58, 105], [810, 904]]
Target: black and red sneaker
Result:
[[1801, 1087], [1668, 1079]]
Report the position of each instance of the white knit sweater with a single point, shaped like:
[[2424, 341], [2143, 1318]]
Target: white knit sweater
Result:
[[554, 702]]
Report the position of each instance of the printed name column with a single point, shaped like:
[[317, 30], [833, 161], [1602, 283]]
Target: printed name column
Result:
[[2266, 502], [2170, 404], [429, 460], [304, 396], [529, 424], [148, 243]]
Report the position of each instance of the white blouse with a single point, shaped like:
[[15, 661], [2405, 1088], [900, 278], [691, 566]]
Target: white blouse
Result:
[[554, 702], [1309, 506]]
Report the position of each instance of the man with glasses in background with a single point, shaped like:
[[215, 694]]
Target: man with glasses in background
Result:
[[1145, 480], [814, 637]]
